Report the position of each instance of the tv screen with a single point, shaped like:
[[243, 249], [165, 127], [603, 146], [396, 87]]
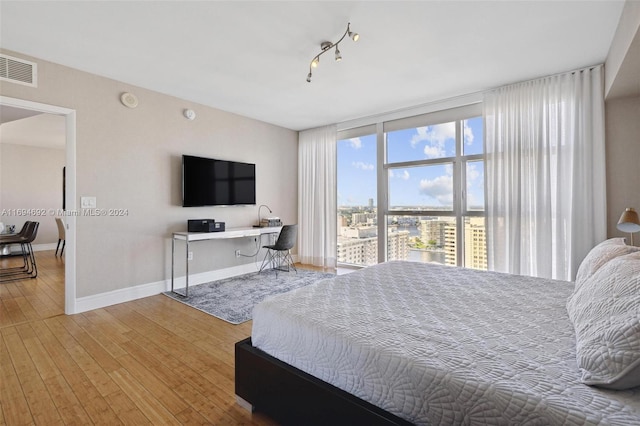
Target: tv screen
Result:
[[210, 182]]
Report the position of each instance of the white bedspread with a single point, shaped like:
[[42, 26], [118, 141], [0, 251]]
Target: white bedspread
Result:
[[442, 345]]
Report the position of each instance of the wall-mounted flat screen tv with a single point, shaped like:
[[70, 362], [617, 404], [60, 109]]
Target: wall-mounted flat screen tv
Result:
[[210, 182]]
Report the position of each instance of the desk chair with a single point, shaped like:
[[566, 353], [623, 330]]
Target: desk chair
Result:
[[279, 254], [30, 269], [22, 233], [9, 239]]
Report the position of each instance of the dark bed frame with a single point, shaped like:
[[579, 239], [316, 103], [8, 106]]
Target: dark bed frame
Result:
[[293, 397]]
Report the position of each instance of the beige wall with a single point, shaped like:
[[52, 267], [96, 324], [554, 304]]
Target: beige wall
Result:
[[131, 159], [31, 179], [623, 160]]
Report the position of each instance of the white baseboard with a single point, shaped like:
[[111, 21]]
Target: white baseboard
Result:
[[218, 274], [44, 247], [128, 294], [114, 297], [15, 248]]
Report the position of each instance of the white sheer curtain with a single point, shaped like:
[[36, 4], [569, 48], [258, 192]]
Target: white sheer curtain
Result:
[[317, 213], [545, 167]]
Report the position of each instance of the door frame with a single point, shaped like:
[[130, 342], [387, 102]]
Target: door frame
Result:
[[71, 204]]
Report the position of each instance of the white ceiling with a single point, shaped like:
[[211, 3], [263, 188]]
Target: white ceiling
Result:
[[8, 114], [252, 58], [43, 130]]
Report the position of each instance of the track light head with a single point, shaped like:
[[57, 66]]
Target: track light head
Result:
[[315, 62], [338, 55], [352, 35], [309, 78]]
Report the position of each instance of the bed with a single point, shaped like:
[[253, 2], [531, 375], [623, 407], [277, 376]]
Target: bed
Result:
[[413, 343]]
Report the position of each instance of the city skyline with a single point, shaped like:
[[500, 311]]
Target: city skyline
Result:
[[426, 239]]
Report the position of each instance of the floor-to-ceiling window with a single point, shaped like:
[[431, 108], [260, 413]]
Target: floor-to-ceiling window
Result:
[[357, 197], [430, 191]]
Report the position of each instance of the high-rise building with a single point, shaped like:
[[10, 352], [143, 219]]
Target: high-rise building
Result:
[[475, 243], [397, 245], [358, 251], [371, 204], [367, 218], [432, 229], [450, 239], [359, 245]]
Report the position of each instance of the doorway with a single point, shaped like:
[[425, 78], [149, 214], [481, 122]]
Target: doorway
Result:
[[26, 107]]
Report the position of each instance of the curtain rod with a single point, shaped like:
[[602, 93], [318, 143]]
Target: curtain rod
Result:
[[572, 72], [447, 103]]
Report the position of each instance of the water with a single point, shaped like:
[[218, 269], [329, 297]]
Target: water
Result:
[[426, 256]]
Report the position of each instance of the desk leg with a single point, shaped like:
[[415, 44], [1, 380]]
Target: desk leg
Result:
[[173, 261], [173, 255], [186, 288]]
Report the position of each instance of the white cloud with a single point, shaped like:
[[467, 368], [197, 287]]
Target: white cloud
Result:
[[362, 165], [404, 175], [420, 136], [438, 133], [472, 172], [448, 169], [355, 143], [435, 138], [468, 134], [434, 151], [440, 188]]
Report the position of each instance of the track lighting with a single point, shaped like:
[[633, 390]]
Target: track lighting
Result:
[[327, 45]]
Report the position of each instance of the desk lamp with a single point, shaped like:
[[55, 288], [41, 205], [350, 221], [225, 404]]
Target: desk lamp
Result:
[[259, 218]]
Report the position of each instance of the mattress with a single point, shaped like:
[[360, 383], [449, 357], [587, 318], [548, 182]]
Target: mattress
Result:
[[436, 344]]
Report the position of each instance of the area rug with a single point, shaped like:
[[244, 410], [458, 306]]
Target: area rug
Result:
[[233, 299]]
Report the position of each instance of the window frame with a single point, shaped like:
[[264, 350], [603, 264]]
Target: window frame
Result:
[[459, 161]]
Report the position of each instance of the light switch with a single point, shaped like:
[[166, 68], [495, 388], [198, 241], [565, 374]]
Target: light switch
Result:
[[88, 202]]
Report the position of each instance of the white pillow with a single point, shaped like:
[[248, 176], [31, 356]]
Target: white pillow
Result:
[[605, 311], [601, 254]]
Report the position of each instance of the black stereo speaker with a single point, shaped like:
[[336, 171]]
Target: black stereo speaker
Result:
[[202, 225]]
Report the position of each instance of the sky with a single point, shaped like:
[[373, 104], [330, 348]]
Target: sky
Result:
[[423, 186]]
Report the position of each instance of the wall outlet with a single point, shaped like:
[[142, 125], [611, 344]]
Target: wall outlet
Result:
[[237, 253], [88, 202], [190, 256]]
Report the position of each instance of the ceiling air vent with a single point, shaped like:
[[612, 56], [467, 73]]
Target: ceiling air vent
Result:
[[18, 71]]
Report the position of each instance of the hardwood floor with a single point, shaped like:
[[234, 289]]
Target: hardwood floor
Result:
[[150, 361], [39, 298]]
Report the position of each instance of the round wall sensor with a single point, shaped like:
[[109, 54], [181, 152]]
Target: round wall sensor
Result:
[[189, 113], [129, 100]]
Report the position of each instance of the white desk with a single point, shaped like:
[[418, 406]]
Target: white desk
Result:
[[187, 237]]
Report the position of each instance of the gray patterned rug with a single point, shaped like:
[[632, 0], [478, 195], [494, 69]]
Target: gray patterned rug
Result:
[[233, 299]]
